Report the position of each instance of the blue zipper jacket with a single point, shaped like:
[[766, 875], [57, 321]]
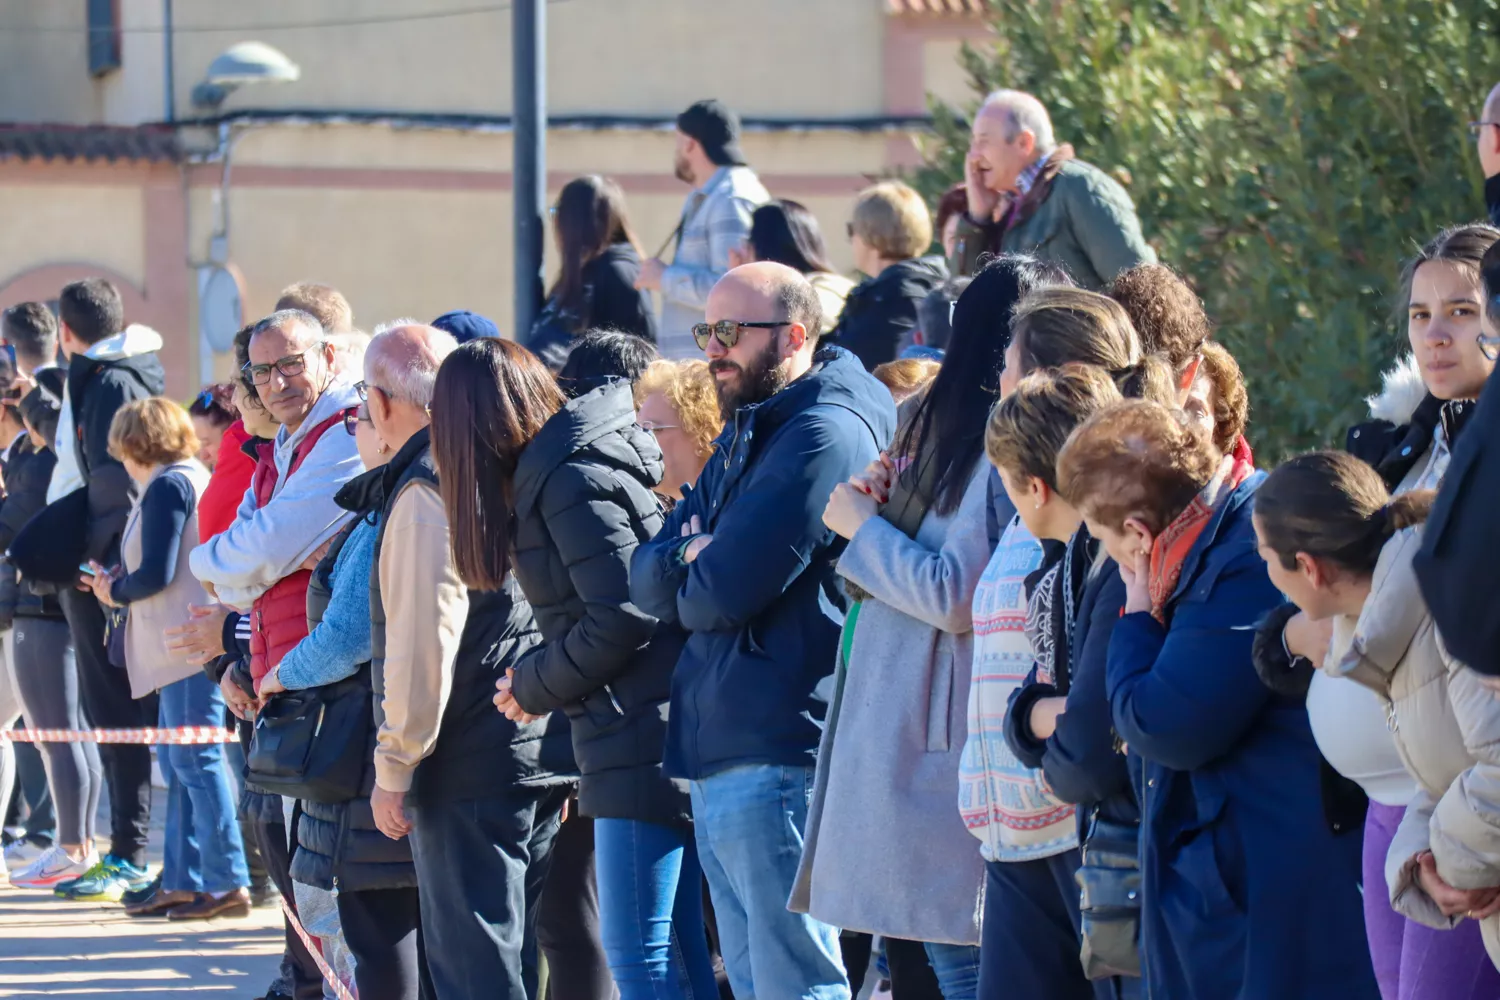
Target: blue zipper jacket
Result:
[[1248, 895], [761, 603]]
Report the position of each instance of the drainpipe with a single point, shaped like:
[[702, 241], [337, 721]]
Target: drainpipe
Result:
[[168, 62]]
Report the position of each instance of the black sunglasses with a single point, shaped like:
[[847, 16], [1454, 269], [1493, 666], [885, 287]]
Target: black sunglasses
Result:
[[727, 331]]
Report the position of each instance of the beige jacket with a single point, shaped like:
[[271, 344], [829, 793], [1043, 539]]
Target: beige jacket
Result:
[[426, 605], [1447, 729], [150, 665]]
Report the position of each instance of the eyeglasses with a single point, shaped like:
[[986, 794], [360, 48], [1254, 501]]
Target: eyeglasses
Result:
[[849, 228], [727, 331], [1476, 127], [288, 367], [647, 425], [362, 389], [355, 417]]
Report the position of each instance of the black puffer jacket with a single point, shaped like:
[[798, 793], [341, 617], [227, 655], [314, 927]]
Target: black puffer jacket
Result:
[[339, 846], [27, 475], [879, 311], [584, 501]]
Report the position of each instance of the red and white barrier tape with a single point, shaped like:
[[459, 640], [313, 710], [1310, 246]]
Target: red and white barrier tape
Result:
[[340, 988], [177, 736]]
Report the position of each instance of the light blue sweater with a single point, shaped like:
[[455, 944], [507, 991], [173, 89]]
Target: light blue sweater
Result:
[[336, 647]]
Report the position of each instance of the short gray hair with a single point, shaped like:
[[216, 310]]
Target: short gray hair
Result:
[[1022, 113], [288, 319], [409, 374]]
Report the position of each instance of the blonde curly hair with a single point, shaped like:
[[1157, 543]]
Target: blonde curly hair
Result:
[[689, 387]]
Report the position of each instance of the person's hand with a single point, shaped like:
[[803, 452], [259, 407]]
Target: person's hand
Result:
[[390, 812], [311, 562], [982, 201], [1475, 903], [1305, 637], [85, 582], [879, 476], [505, 700], [848, 509], [103, 584], [241, 704], [201, 638], [694, 527], [739, 255], [650, 276], [270, 684], [1137, 584], [1044, 713]]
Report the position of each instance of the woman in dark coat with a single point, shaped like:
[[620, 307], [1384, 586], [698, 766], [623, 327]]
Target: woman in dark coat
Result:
[[565, 506], [1247, 893], [595, 286]]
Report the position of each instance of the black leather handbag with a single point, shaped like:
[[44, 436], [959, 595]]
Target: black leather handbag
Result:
[[1109, 883], [312, 744]]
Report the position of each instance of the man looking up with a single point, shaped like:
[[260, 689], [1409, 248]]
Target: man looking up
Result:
[[745, 564]]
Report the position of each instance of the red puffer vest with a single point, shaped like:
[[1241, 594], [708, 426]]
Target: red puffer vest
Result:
[[278, 621]]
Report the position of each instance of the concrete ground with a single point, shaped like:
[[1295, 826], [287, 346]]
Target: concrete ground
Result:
[[53, 948]]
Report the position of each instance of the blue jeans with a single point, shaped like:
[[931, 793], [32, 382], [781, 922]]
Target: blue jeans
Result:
[[956, 967], [203, 851], [651, 911], [749, 822]]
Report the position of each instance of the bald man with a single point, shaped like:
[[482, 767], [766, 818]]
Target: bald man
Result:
[[745, 565], [1027, 194]]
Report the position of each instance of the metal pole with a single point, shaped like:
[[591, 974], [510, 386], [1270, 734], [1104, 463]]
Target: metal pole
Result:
[[168, 69], [529, 68]]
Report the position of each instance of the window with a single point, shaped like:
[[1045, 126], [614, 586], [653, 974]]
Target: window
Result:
[[104, 36]]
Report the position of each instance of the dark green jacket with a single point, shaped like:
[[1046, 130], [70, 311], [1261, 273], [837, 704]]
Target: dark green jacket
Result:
[[1086, 222]]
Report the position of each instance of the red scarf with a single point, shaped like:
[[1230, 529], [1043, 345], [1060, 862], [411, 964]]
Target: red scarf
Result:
[[1171, 548]]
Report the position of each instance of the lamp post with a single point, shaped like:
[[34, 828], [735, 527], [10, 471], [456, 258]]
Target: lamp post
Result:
[[529, 69]]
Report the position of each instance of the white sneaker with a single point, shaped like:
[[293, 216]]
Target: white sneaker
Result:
[[52, 867]]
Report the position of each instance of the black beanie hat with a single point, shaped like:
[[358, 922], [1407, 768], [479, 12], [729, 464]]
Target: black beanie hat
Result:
[[717, 130]]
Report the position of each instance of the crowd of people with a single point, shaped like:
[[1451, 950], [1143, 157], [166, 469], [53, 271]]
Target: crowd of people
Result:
[[696, 676]]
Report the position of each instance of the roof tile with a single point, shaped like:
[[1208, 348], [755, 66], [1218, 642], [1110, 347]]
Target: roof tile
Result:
[[153, 143]]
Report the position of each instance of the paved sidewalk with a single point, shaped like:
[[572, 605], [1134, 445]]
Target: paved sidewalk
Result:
[[53, 948], [49, 947]]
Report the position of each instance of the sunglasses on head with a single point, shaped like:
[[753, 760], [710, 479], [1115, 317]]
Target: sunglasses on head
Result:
[[727, 331]]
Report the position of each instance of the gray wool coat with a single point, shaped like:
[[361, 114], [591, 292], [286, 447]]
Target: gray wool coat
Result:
[[885, 851]]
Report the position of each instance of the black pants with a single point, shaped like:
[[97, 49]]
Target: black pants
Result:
[[912, 977], [1030, 940], [298, 967], [383, 929], [481, 864], [567, 922], [108, 705]]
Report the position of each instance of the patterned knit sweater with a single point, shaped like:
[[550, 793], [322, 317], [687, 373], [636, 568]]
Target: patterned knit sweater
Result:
[[1005, 804]]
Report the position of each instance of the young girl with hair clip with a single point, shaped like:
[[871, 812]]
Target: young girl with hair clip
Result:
[[1340, 547]]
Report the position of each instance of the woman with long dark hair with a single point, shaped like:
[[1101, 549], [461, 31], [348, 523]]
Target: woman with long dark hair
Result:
[[787, 233], [561, 491], [599, 262], [893, 742]]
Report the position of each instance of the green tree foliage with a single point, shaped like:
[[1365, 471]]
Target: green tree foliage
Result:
[[1286, 155]]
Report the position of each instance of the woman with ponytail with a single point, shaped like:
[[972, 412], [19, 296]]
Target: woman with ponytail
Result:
[[1337, 543]]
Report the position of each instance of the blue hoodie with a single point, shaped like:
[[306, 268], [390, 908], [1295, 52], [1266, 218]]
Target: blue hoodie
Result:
[[762, 603]]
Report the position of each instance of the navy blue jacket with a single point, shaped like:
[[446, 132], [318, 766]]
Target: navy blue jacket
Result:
[[762, 603], [1079, 759], [1248, 894]]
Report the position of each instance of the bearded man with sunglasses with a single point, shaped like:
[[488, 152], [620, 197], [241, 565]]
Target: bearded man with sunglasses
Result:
[[745, 564]]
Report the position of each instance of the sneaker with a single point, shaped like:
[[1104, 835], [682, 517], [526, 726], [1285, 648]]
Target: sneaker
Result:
[[52, 867], [105, 882], [134, 896]]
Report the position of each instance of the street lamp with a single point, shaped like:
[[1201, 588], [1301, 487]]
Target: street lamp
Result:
[[242, 64]]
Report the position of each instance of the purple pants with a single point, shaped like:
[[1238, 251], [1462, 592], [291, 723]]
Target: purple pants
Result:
[[1413, 962]]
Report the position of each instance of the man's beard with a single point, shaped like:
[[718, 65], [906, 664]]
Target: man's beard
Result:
[[682, 170], [762, 380]]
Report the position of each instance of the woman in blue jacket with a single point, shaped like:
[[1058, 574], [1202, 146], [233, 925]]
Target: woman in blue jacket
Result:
[[1247, 893]]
